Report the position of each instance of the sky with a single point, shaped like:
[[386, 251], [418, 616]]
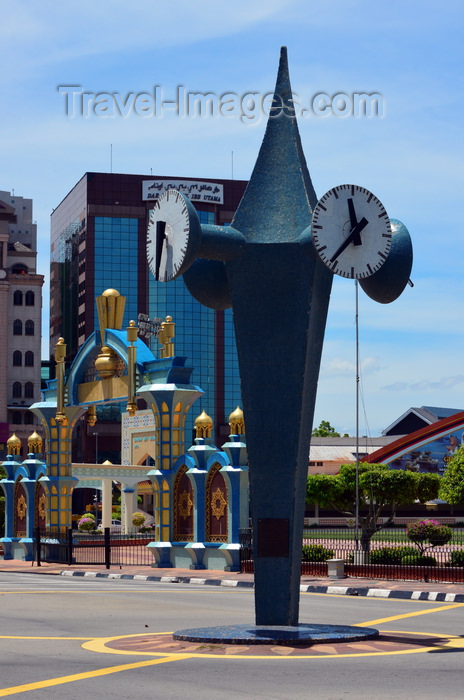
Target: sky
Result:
[[409, 153]]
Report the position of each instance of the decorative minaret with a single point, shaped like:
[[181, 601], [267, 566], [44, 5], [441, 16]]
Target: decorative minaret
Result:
[[170, 395], [59, 421]]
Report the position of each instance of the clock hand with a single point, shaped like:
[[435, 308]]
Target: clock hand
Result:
[[353, 237], [160, 238], [353, 221]]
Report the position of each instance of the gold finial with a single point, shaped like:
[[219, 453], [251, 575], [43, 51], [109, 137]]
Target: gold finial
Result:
[[13, 445], [203, 425], [91, 415], [110, 308], [166, 337], [132, 332], [34, 442], [236, 422], [60, 350], [60, 354], [106, 363]]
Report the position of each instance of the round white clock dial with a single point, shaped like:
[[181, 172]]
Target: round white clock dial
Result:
[[173, 236], [351, 231]]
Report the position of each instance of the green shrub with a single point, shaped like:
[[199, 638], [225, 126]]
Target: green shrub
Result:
[[441, 536], [428, 530], [457, 558], [390, 555], [418, 560], [316, 552], [86, 524], [138, 519]]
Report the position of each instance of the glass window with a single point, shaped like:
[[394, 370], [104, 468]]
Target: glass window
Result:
[[116, 260], [29, 327], [17, 327], [18, 298], [30, 298], [206, 217], [28, 390], [28, 418], [17, 390], [17, 358], [29, 359]]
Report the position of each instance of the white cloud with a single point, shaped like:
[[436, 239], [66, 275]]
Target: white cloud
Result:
[[411, 350], [397, 386], [441, 384]]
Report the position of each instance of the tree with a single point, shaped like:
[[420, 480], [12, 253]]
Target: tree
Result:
[[325, 430], [379, 488], [452, 483]]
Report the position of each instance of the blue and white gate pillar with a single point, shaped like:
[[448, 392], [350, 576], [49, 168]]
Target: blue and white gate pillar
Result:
[[128, 502], [8, 485], [107, 500]]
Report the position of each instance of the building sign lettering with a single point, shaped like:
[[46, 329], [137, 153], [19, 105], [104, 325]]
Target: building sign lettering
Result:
[[196, 191]]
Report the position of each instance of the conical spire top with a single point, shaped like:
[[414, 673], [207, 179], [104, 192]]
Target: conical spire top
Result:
[[278, 201]]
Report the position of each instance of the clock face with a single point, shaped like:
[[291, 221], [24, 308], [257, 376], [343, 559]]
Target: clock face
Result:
[[173, 236], [351, 231]]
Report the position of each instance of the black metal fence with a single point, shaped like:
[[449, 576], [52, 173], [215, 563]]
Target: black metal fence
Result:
[[107, 549], [390, 555], [246, 550]]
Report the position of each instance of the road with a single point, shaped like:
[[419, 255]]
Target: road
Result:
[[56, 635]]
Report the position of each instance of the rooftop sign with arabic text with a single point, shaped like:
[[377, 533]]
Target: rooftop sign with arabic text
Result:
[[196, 191]]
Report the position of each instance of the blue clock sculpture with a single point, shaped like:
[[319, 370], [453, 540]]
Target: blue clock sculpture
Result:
[[276, 272]]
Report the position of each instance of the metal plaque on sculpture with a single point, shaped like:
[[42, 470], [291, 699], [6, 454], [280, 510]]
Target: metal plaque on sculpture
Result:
[[273, 537]]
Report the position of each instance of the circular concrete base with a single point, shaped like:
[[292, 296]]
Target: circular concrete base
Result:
[[276, 634]]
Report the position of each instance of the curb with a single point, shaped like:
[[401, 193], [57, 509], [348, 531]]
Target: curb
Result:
[[361, 591], [231, 583]]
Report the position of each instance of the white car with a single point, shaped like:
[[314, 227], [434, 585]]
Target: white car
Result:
[[115, 526]]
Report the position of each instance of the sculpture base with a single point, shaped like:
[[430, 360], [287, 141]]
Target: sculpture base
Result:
[[301, 634]]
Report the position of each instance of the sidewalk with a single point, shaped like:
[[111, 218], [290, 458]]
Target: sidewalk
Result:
[[415, 590]]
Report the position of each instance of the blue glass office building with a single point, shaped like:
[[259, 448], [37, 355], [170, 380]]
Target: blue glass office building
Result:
[[98, 241]]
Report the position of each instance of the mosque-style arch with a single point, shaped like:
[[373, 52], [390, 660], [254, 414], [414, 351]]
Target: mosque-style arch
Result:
[[20, 510], [216, 506], [40, 501], [183, 507]]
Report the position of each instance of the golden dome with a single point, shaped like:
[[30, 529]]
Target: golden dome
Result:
[[111, 293], [13, 445], [106, 363], [203, 425], [34, 442], [236, 422]]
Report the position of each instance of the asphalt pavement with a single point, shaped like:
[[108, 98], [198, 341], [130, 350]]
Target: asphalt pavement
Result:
[[381, 588]]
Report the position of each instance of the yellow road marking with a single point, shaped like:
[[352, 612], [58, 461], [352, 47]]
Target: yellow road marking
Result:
[[411, 614], [99, 645], [83, 676], [25, 592], [46, 639], [91, 591]]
